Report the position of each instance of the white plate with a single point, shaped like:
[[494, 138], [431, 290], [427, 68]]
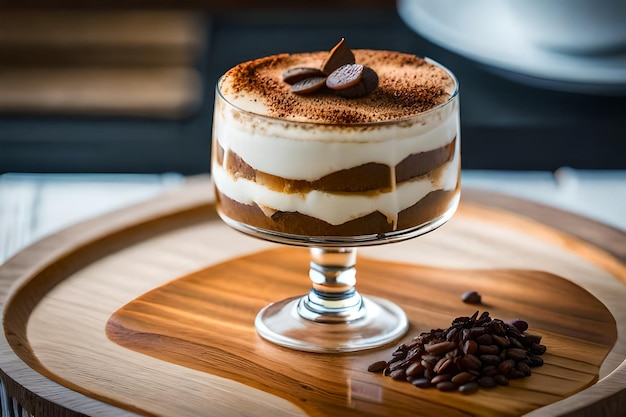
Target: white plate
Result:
[[485, 32]]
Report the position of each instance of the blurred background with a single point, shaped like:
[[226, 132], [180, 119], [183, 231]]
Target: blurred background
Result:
[[127, 86], [104, 103]]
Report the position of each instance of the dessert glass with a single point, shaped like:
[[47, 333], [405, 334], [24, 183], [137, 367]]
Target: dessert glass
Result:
[[334, 316]]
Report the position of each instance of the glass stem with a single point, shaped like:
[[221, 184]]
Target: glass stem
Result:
[[333, 298]]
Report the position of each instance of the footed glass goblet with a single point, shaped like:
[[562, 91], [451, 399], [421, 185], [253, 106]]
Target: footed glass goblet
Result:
[[335, 187]]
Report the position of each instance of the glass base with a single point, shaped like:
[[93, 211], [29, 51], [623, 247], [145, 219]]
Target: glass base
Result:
[[383, 323]]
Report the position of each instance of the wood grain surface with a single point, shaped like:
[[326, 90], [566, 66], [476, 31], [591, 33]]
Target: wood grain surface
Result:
[[205, 321], [60, 294]]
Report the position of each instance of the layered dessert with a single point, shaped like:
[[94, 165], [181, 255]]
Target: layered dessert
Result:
[[333, 154]]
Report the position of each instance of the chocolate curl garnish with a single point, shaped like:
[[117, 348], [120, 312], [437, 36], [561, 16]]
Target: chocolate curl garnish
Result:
[[339, 56], [338, 72]]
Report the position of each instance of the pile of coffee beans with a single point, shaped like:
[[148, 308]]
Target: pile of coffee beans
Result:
[[473, 352]]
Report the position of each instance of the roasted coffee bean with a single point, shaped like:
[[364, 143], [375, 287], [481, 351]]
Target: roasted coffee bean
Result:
[[462, 378], [446, 386], [490, 359], [345, 76], [293, 75], [490, 370], [534, 361], [505, 366], [452, 333], [516, 354], [470, 347], [516, 343], [501, 379], [529, 339], [524, 368], [537, 349], [443, 356], [421, 383], [469, 387], [440, 378], [438, 349], [339, 56], [498, 327], [501, 341], [484, 339], [398, 374], [308, 85], [489, 349], [471, 297], [442, 365], [469, 362], [416, 368], [515, 374], [519, 324], [378, 366], [487, 382]]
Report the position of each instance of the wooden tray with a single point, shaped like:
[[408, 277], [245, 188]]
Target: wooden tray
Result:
[[149, 311]]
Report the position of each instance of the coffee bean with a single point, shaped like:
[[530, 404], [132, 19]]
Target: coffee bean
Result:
[[516, 354], [454, 355], [501, 341], [470, 347], [537, 349], [446, 386], [487, 382], [308, 85], [442, 365], [515, 374], [529, 339], [421, 383], [490, 370], [519, 324], [416, 368], [505, 366], [489, 349], [398, 374], [440, 378], [377, 366], [471, 297], [501, 379], [484, 339], [524, 368], [469, 387], [534, 360], [469, 362], [293, 75], [462, 378], [490, 359], [437, 349]]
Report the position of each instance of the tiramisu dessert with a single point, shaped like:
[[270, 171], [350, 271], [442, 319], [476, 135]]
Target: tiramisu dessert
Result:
[[337, 144]]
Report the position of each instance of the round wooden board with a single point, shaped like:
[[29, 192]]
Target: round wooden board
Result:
[[59, 295]]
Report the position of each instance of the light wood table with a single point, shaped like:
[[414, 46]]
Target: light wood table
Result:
[[62, 295]]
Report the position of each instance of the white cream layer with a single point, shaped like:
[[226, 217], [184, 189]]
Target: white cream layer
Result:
[[337, 209], [311, 151]]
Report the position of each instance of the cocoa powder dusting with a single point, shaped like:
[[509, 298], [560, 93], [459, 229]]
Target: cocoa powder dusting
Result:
[[408, 85]]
